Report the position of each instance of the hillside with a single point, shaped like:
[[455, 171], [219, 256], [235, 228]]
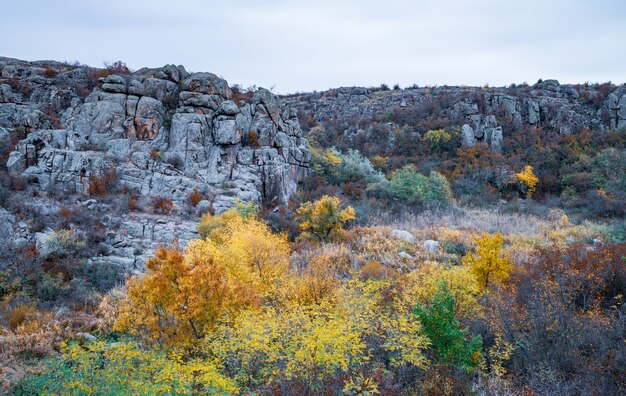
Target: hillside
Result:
[[480, 137], [164, 232]]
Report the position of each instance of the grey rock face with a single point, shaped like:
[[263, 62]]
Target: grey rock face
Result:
[[405, 256], [164, 132], [496, 139], [5, 140], [467, 135], [228, 107], [16, 163], [118, 147], [134, 239], [7, 95], [6, 227], [615, 107], [548, 85], [484, 129]]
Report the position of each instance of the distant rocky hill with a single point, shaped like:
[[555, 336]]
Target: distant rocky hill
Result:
[[163, 133], [484, 113]]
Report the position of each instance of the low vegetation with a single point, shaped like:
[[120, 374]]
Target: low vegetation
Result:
[[244, 310]]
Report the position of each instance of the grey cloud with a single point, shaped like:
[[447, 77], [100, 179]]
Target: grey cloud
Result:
[[303, 45]]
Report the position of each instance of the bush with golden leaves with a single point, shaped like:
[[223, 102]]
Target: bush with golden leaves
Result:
[[323, 218], [489, 264], [528, 180], [183, 295]]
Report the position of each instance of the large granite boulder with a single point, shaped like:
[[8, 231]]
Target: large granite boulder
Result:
[[615, 107], [483, 128]]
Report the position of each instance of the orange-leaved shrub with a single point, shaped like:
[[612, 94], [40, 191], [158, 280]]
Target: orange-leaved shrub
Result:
[[162, 204], [104, 184]]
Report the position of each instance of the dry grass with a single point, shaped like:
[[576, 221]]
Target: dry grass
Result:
[[35, 334], [429, 225], [455, 230]]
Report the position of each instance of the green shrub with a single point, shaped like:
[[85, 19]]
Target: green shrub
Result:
[[448, 340], [246, 210], [438, 190], [50, 287], [407, 185]]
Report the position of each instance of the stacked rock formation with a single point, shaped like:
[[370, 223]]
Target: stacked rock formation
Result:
[[166, 132], [163, 133]]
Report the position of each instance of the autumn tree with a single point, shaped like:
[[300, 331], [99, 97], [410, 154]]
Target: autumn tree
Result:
[[251, 253], [182, 295], [528, 180], [323, 218], [488, 263], [176, 299]]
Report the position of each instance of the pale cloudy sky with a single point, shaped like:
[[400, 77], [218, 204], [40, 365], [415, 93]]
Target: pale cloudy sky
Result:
[[314, 45]]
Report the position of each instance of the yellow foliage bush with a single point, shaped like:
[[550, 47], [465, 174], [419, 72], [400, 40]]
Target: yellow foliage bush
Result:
[[528, 179], [182, 296], [124, 367], [318, 274], [309, 346], [215, 223], [422, 285], [21, 315], [323, 218], [489, 264]]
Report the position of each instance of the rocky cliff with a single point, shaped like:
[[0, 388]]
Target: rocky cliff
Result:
[[481, 113], [166, 132], [159, 132]]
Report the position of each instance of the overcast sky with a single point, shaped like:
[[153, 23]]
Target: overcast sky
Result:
[[318, 44]]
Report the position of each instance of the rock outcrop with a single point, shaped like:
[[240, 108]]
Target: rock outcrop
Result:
[[483, 129], [162, 132], [480, 113], [166, 132]]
